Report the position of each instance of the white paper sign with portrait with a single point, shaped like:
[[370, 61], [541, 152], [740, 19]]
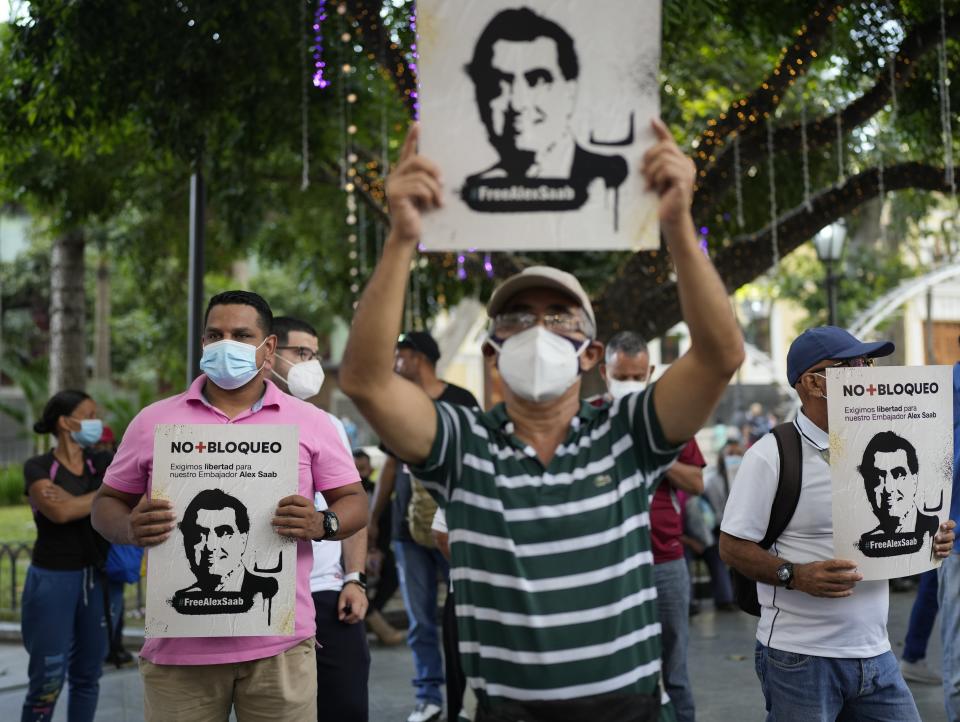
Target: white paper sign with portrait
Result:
[[891, 462], [538, 115], [224, 572]]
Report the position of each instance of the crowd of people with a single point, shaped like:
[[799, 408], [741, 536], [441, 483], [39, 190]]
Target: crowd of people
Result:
[[562, 525]]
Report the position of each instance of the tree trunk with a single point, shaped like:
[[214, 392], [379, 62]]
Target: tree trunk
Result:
[[101, 339], [67, 343]]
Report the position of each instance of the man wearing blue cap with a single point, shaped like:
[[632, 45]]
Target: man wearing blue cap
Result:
[[822, 648]]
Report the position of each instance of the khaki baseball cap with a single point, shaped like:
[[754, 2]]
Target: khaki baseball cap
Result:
[[540, 277]]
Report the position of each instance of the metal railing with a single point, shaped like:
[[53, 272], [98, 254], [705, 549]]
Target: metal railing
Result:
[[14, 562]]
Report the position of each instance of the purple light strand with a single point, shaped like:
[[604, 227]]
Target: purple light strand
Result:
[[461, 271], [488, 265], [319, 15], [412, 66]]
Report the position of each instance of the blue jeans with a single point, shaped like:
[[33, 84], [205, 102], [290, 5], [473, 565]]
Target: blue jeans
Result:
[[419, 569], [673, 606], [805, 688], [65, 634], [922, 617], [949, 594]]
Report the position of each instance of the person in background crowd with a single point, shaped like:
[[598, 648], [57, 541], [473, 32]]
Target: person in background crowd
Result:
[[419, 563], [117, 655], [456, 681], [381, 564], [756, 425], [337, 578], [948, 580], [923, 614], [262, 677], [715, 492], [62, 622], [626, 369]]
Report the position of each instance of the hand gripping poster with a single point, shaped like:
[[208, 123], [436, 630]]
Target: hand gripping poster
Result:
[[538, 115], [891, 463], [224, 572]]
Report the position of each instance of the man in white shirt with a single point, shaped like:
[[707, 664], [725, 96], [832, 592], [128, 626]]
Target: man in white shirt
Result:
[[339, 595], [822, 650]]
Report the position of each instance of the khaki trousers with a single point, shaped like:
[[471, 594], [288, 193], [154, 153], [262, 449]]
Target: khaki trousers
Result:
[[282, 688]]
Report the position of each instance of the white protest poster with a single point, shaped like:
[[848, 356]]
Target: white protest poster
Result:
[[538, 115], [224, 572], [891, 463]]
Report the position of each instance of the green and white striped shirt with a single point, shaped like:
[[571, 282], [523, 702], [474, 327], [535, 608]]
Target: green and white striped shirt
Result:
[[552, 567]]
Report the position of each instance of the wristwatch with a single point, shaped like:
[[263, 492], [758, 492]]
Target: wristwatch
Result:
[[358, 578], [331, 525], [785, 574]]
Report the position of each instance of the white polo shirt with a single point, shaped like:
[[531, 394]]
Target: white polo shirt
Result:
[[790, 620], [326, 575]]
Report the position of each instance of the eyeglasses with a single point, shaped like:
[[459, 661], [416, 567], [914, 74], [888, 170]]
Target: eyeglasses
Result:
[[304, 353], [857, 363], [562, 322]]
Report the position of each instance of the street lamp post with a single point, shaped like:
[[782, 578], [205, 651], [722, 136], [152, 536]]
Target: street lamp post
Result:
[[829, 244]]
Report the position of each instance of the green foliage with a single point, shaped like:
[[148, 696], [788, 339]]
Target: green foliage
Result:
[[11, 486], [865, 273]]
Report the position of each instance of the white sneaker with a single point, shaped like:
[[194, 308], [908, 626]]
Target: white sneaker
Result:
[[425, 712], [919, 672]]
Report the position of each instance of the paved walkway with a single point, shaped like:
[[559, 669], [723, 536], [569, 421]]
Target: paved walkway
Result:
[[721, 667]]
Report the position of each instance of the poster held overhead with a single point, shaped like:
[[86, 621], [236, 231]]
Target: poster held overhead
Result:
[[538, 115], [891, 463], [224, 572]]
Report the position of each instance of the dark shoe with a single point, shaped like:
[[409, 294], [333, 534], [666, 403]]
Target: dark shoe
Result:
[[119, 657]]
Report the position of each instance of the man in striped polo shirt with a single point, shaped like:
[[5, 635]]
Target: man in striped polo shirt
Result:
[[547, 498]]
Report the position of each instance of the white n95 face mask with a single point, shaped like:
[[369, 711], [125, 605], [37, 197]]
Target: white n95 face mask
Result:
[[619, 389], [537, 364], [304, 379]]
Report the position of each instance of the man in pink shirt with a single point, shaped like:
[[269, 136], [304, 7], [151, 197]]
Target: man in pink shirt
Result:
[[261, 677]]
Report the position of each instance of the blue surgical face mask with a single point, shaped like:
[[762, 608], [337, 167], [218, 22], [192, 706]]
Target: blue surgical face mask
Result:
[[230, 364], [90, 432]]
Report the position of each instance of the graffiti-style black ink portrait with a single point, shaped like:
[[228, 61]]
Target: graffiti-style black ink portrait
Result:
[[215, 527], [525, 73], [890, 471]]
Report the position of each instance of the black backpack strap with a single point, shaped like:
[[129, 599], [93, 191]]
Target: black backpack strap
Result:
[[788, 487]]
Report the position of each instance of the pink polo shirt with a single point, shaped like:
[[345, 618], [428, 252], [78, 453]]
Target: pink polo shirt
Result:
[[324, 464]]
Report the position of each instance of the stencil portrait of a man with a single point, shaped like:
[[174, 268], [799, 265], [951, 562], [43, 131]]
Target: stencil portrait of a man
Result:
[[215, 529], [525, 70], [891, 476]]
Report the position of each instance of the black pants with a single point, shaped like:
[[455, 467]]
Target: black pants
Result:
[[456, 681], [600, 708], [388, 583], [343, 664]]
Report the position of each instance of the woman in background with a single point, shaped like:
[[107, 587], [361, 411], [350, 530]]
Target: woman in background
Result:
[[62, 617]]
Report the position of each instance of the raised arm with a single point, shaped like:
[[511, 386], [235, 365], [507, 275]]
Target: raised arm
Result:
[[690, 389], [400, 412]]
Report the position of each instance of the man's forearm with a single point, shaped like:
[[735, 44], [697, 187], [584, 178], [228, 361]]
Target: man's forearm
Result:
[[110, 517], [351, 511], [749, 559], [355, 552], [368, 357], [714, 333]]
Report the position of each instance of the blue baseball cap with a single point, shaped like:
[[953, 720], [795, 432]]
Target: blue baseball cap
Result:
[[829, 342]]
